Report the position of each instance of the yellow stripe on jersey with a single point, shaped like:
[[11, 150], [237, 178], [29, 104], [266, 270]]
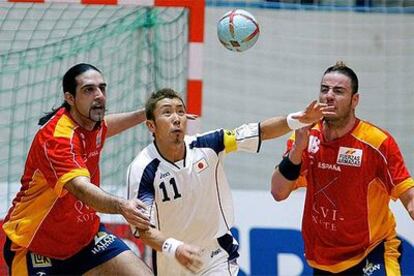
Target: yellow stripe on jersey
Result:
[[64, 127], [402, 187], [391, 255], [369, 134], [67, 177], [381, 222], [19, 264], [230, 143], [30, 211]]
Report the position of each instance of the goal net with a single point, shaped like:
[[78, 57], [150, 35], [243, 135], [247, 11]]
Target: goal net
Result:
[[138, 49]]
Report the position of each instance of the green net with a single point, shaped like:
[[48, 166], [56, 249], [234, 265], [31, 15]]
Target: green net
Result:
[[138, 49]]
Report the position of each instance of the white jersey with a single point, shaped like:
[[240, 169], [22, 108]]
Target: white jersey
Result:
[[190, 200]]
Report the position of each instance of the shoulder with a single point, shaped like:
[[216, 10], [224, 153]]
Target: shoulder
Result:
[[59, 126], [371, 134], [144, 157], [59, 131]]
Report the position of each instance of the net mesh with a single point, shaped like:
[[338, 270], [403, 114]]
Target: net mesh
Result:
[[138, 49]]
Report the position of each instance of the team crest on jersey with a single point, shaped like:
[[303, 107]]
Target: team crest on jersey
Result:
[[349, 157], [40, 261], [200, 165]]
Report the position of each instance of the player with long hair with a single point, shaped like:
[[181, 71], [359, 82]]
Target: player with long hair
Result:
[[52, 227]]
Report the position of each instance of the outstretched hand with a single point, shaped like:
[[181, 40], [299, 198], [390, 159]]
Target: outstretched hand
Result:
[[190, 257], [314, 112]]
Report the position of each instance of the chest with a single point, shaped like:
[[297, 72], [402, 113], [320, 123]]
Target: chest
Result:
[[350, 162], [91, 146], [193, 180]]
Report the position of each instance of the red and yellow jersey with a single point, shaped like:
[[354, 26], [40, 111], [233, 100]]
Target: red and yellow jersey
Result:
[[45, 218], [350, 182]]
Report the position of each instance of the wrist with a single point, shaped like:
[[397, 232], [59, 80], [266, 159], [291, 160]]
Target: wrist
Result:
[[294, 124], [288, 169], [295, 155], [169, 247]]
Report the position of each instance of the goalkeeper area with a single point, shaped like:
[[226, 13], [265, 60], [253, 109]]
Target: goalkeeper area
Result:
[[138, 50]]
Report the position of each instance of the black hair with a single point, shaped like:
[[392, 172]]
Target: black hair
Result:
[[158, 96], [69, 85], [342, 68]]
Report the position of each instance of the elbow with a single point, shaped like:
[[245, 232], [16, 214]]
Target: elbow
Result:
[[279, 195]]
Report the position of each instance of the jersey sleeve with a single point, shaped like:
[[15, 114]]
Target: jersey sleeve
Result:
[[244, 138], [140, 183], [65, 161], [395, 175]]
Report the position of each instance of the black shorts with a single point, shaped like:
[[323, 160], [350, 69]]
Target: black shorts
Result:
[[102, 248], [382, 261]]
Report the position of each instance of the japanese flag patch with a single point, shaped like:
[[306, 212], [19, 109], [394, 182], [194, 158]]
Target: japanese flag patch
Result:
[[200, 165]]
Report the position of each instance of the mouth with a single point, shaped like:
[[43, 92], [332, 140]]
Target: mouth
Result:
[[176, 131], [98, 107]]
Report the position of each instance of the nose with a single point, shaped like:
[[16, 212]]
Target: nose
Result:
[[99, 94], [330, 94], [175, 118]]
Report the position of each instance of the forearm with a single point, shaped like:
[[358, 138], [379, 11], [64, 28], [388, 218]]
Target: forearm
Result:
[[153, 238], [281, 187], [122, 121], [94, 196], [273, 127]]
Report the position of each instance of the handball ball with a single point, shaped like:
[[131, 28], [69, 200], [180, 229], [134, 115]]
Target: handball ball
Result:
[[238, 30]]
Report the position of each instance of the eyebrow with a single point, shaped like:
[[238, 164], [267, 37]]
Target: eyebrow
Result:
[[93, 85], [170, 105], [333, 87]]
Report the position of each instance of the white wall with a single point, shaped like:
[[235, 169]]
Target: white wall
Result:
[[281, 74]]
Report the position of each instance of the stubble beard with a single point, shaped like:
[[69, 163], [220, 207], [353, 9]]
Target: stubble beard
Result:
[[97, 114]]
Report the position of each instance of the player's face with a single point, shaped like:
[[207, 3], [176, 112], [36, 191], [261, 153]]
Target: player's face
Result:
[[170, 122], [336, 91], [89, 102]]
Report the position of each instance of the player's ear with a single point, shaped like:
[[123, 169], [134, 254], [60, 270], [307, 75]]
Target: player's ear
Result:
[[69, 98], [150, 125], [355, 100]]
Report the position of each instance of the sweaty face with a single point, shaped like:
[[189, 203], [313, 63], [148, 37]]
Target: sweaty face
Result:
[[336, 91], [90, 96], [170, 123]]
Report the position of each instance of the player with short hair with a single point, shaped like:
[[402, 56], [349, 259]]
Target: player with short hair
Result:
[[182, 179], [351, 169], [52, 227]]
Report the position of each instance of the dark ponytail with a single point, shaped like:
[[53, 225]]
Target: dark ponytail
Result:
[[69, 85]]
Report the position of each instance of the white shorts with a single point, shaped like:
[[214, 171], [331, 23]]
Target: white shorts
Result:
[[217, 261]]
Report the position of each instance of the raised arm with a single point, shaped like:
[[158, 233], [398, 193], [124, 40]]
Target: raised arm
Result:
[[187, 255], [407, 199], [133, 210], [288, 170], [278, 126], [122, 121]]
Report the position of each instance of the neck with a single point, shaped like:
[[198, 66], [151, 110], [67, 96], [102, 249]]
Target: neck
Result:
[[336, 129], [82, 120], [172, 152]]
